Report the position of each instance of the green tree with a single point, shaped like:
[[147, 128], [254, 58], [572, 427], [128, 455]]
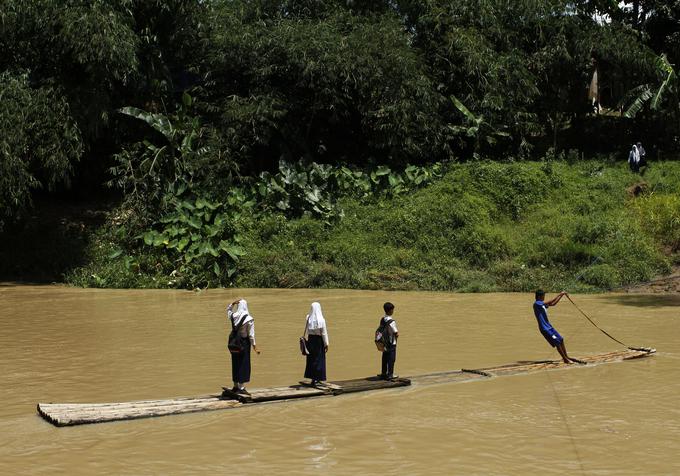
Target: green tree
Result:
[[39, 143], [330, 86], [524, 65]]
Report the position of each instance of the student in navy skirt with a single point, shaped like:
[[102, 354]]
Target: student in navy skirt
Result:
[[316, 335], [240, 362]]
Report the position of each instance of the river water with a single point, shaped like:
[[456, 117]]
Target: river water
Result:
[[60, 344]]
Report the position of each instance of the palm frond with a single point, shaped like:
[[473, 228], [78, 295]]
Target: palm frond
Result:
[[666, 67], [461, 107], [158, 121], [638, 101]]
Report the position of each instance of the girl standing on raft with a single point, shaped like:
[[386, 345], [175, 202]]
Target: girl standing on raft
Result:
[[316, 335], [240, 362]]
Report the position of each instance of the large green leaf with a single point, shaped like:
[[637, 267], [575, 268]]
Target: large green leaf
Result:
[[234, 251], [461, 107], [183, 242], [149, 237], [157, 121]]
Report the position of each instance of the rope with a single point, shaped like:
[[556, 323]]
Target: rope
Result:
[[563, 416], [642, 349], [566, 423]]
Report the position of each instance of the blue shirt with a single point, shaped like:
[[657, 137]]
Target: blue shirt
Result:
[[541, 313]]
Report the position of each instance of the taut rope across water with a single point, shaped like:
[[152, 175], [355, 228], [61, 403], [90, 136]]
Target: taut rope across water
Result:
[[641, 349]]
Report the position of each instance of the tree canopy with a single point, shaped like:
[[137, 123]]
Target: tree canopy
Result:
[[338, 82]]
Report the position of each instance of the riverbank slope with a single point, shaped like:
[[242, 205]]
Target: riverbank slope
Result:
[[483, 226]]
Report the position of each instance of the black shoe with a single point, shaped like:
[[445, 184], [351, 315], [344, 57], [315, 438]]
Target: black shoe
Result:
[[382, 376], [393, 377], [243, 391], [234, 389]]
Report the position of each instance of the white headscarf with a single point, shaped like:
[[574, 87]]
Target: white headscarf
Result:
[[241, 310], [635, 154], [315, 318]]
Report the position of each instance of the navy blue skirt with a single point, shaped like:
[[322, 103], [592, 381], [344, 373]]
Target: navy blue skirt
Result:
[[316, 360], [240, 365]]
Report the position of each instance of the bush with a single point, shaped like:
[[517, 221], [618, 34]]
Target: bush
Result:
[[450, 235], [513, 187], [602, 276], [659, 214]]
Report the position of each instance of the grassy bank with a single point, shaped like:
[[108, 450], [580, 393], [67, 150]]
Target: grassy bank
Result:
[[484, 226]]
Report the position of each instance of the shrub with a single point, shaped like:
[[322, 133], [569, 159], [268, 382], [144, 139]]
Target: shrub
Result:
[[602, 276], [659, 214], [513, 187]]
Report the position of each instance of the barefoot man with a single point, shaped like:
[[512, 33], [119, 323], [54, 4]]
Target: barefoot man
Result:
[[547, 330]]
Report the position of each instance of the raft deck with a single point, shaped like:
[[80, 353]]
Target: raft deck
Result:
[[68, 414]]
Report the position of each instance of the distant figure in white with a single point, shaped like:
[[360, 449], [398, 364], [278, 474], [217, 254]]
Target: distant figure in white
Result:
[[243, 327], [634, 159], [641, 151], [316, 335]]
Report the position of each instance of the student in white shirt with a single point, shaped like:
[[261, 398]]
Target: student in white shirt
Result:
[[389, 355], [316, 335], [240, 362]]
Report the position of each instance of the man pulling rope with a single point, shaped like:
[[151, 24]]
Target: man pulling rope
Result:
[[547, 330]]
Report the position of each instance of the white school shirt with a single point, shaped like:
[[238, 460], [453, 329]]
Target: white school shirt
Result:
[[392, 330], [246, 330], [322, 331]]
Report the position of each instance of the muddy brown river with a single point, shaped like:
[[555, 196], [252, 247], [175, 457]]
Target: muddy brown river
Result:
[[60, 344]]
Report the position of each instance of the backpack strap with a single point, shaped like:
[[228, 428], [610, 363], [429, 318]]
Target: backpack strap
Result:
[[306, 326], [238, 326]]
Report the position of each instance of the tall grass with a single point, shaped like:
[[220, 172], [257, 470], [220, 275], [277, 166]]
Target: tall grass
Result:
[[485, 226]]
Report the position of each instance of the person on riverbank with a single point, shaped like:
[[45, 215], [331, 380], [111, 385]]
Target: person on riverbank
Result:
[[316, 336], [244, 325], [634, 159], [389, 354], [643, 155], [547, 330]]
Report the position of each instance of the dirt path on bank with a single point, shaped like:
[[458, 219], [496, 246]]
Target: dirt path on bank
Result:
[[664, 284]]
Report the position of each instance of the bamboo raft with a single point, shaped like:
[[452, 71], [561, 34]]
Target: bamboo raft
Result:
[[69, 414]]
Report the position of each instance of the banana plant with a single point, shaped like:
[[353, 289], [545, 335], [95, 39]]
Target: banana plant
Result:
[[667, 91], [475, 128], [152, 168]]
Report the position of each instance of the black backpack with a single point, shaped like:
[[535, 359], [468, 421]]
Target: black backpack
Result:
[[237, 344], [382, 337]]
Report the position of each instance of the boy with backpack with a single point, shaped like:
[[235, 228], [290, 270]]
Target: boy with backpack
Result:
[[386, 340]]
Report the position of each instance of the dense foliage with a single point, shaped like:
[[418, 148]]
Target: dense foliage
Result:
[[483, 226], [40, 143], [208, 119]]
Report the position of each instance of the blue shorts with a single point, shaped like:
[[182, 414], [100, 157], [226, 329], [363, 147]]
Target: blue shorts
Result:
[[552, 336]]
